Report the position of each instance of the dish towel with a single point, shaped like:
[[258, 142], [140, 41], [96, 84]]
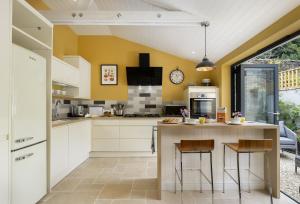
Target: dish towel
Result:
[[154, 129]]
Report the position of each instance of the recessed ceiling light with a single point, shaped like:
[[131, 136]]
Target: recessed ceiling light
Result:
[[75, 0], [193, 52]]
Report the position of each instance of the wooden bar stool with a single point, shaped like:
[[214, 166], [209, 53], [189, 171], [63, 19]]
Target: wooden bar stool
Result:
[[194, 147], [248, 147]]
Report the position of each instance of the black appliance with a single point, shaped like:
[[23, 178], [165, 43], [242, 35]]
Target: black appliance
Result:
[[173, 110], [144, 75]]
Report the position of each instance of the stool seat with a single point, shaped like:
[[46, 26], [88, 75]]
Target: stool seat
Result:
[[195, 146], [248, 147], [251, 146]]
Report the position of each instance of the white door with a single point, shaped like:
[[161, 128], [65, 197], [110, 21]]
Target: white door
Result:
[[59, 154], [5, 42], [29, 98], [79, 139], [29, 174]]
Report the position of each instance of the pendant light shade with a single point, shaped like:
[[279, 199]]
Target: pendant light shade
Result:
[[205, 64]]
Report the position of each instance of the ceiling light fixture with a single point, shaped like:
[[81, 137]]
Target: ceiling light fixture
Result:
[[205, 64]]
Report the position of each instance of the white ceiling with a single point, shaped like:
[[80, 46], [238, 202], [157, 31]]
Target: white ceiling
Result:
[[233, 22]]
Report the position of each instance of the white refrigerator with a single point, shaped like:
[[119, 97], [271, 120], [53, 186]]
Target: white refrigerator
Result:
[[28, 144]]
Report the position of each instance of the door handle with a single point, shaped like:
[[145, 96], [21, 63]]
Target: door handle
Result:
[[276, 113], [20, 158], [25, 139]]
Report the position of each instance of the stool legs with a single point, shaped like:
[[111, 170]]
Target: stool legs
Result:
[[211, 174], [269, 177], [238, 173], [200, 173], [224, 169], [175, 168], [181, 172]]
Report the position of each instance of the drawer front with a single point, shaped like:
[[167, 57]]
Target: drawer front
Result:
[[108, 132], [143, 122], [135, 145], [136, 132], [105, 145], [105, 122]]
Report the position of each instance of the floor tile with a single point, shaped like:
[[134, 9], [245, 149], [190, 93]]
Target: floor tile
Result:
[[67, 185], [116, 191]]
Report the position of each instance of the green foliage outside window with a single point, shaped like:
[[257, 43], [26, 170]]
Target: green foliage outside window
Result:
[[289, 113]]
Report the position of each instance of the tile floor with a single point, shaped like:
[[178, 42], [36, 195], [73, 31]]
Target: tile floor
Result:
[[132, 181]]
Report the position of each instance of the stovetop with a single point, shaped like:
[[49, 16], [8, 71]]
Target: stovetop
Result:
[[140, 115]]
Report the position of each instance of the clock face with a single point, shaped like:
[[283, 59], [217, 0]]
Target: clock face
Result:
[[176, 76]]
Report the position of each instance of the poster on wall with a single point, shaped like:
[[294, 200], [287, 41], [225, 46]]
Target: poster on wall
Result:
[[109, 74]]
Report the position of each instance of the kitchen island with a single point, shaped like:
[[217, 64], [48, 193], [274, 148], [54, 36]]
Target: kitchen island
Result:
[[168, 134]]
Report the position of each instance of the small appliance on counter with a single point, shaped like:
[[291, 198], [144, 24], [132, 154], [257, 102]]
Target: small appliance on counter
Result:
[[96, 110], [78, 111], [173, 110], [118, 109]]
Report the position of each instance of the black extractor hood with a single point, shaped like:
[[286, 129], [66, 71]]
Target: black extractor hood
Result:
[[144, 75]]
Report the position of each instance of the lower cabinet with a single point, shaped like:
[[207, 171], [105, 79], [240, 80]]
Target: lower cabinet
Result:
[[4, 170], [79, 143], [59, 154], [70, 146], [122, 136]]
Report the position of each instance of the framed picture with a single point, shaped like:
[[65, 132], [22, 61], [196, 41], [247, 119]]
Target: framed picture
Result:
[[109, 74]]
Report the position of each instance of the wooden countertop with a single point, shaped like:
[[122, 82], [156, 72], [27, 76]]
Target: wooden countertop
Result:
[[214, 125]]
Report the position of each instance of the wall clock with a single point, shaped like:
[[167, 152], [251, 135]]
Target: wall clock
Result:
[[176, 76]]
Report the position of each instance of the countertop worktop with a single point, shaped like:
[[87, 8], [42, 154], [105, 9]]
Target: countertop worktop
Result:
[[245, 124], [68, 121]]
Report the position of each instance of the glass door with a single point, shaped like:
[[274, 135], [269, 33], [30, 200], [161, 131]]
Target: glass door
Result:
[[256, 92]]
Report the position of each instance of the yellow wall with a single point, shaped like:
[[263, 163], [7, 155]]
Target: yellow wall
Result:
[[112, 50], [286, 25], [65, 41]]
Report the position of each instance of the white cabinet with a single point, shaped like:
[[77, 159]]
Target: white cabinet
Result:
[[29, 164], [59, 158], [5, 42], [122, 135], [105, 137], [70, 146], [84, 75], [65, 73], [79, 143]]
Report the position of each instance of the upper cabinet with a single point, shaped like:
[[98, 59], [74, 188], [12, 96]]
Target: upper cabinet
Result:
[[84, 75], [64, 73], [30, 29]]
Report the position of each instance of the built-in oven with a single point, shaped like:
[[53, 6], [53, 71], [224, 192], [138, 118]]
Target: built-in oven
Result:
[[203, 104]]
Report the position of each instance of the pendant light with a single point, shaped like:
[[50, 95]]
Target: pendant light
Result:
[[205, 64]]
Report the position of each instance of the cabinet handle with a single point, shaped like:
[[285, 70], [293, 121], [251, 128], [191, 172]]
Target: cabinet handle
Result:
[[20, 158], [25, 139]]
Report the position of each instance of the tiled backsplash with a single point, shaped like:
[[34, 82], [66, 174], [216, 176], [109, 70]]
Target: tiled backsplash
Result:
[[141, 99], [144, 99]]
